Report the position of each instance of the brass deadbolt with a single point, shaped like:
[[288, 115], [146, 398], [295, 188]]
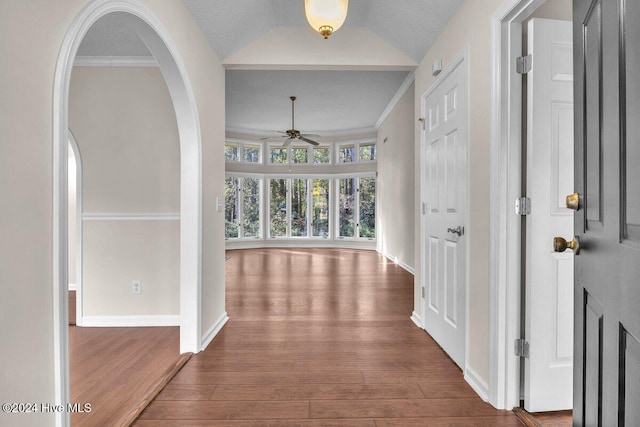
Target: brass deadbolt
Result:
[[573, 201]]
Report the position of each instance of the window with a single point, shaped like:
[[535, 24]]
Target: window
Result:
[[320, 208], [231, 205], [367, 152], [231, 150], [346, 153], [251, 153], [278, 155], [299, 198], [250, 207], [367, 208], [242, 207], [321, 155], [346, 207], [364, 151], [357, 208], [278, 208], [299, 154]]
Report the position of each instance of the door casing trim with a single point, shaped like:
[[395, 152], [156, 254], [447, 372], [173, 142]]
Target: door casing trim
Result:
[[505, 183]]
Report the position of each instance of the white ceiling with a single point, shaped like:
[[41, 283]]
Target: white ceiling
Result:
[[329, 101], [410, 25]]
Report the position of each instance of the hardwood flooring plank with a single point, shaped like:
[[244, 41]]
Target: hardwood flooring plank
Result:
[[267, 378], [226, 410], [443, 390], [318, 392], [406, 408], [320, 337], [258, 423], [502, 421], [186, 392], [434, 376], [114, 369]]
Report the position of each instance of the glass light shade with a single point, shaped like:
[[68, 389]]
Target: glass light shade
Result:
[[326, 16]]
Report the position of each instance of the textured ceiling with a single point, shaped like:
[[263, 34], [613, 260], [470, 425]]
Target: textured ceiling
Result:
[[410, 25], [328, 101], [111, 37]]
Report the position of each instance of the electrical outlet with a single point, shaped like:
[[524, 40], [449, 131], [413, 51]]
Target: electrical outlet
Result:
[[136, 287]]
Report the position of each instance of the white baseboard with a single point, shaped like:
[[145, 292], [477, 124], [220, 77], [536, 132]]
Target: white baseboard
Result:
[[213, 331], [415, 318], [124, 321], [401, 263], [476, 382]]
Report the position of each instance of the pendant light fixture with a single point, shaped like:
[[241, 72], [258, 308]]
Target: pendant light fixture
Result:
[[326, 16]]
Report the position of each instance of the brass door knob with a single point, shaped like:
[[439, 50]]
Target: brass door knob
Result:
[[573, 201], [561, 245]]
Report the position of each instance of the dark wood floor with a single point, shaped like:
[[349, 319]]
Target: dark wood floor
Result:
[[113, 368], [320, 337]]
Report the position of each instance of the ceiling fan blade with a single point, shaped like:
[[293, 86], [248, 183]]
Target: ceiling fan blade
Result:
[[274, 138], [310, 141], [311, 135]]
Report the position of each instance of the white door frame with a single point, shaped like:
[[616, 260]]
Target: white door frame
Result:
[[506, 178], [461, 59], [159, 42]]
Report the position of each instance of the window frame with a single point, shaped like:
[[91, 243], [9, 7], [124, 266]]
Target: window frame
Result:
[[270, 146], [356, 144], [240, 206], [356, 215], [240, 143]]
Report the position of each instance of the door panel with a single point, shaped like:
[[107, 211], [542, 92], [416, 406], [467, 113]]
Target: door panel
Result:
[[631, 105], [607, 318], [549, 276], [593, 322], [446, 196], [593, 114], [630, 376]]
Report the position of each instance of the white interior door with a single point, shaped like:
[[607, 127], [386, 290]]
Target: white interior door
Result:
[[445, 208], [549, 276]]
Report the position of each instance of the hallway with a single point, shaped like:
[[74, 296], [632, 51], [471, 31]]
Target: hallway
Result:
[[319, 337]]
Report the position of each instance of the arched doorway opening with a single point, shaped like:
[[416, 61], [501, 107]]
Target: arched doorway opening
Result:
[[159, 43]]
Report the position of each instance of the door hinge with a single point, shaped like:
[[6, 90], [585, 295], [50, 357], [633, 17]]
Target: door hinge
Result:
[[424, 208], [523, 64], [423, 292], [521, 348], [422, 123], [523, 206]]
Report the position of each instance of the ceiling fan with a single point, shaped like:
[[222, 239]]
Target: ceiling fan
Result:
[[293, 134]]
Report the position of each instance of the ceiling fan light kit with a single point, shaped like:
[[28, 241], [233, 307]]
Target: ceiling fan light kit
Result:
[[326, 16]]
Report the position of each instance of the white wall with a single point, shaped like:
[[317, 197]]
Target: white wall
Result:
[[31, 35], [301, 47], [471, 26], [396, 185], [126, 130]]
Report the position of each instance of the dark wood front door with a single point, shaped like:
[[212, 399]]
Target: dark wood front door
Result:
[[607, 177]]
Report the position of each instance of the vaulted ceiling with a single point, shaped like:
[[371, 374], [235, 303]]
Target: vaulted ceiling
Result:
[[331, 101]]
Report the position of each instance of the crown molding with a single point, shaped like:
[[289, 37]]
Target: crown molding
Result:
[[115, 61], [406, 84]]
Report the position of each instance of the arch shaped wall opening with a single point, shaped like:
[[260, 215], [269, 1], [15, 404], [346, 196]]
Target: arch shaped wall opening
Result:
[[159, 43]]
